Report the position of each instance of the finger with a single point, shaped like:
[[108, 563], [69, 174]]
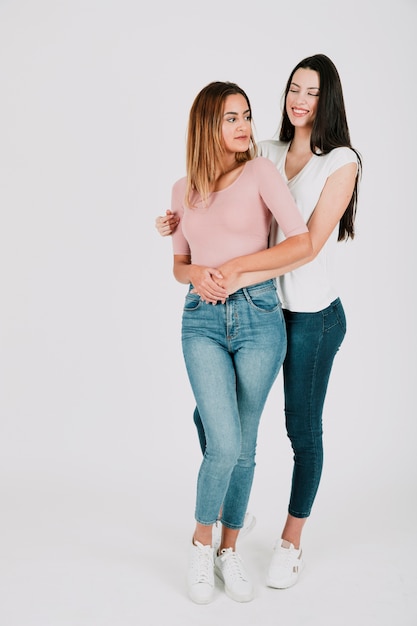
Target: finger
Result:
[[216, 290]]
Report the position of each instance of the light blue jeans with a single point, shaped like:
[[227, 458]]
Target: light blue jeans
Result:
[[233, 353]]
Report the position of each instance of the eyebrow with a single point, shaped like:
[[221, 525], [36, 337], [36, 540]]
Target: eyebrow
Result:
[[235, 113], [297, 85]]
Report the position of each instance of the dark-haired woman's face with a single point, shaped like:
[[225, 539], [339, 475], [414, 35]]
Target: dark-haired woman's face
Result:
[[303, 97]]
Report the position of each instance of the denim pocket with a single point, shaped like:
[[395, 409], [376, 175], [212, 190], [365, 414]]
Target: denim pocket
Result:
[[192, 302], [265, 300], [333, 316]]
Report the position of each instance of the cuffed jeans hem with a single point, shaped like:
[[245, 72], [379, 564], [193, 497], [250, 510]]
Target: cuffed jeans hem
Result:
[[231, 526], [206, 523], [298, 514]]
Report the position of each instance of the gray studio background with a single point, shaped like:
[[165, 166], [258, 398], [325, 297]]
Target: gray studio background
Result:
[[98, 453]]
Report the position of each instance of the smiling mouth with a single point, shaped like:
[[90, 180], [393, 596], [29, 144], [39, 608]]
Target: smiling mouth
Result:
[[299, 111]]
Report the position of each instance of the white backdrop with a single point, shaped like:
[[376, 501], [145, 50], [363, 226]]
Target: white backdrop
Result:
[[95, 406]]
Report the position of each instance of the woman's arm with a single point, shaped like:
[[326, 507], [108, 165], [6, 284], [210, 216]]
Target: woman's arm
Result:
[[334, 199], [267, 263]]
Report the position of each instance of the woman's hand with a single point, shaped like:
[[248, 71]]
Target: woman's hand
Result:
[[166, 224], [231, 280], [205, 281]]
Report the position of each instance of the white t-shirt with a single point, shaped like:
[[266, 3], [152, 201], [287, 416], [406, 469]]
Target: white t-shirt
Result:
[[307, 289]]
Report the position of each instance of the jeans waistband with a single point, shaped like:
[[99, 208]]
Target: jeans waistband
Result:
[[265, 285], [257, 288]]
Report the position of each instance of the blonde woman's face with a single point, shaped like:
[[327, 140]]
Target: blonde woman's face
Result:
[[237, 124], [303, 97]]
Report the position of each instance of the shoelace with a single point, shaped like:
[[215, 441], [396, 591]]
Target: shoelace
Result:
[[204, 563], [233, 562]]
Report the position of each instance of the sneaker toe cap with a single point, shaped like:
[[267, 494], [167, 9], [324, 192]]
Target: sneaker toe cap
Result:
[[201, 593]]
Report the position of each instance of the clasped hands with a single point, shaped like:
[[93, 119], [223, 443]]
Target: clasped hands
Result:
[[214, 284]]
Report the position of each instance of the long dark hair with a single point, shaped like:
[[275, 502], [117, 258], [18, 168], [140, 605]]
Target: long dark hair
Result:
[[330, 127]]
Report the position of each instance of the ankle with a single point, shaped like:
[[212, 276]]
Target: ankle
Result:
[[204, 541], [294, 541], [225, 546]]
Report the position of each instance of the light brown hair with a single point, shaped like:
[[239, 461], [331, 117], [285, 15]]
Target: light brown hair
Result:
[[205, 145]]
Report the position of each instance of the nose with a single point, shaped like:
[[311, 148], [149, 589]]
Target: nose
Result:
[[243, 124], [300, 98]]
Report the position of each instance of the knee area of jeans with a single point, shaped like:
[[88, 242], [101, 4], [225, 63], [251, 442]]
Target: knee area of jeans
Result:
[[224, 452], [306, 447], [306, 439], [223, 464], [247, 462]]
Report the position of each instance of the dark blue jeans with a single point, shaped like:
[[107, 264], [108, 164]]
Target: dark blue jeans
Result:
[[313, 340]]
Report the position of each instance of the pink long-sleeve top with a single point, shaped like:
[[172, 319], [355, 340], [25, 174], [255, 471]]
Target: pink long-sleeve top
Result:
[[237, 219]]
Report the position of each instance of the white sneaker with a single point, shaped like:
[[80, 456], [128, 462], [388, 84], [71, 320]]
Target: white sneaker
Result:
[[217, 535], [201, 573], [248, 525], [286, 565], [230, 569]]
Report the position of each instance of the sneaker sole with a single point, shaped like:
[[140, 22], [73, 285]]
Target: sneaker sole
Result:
[[199, 600], [274, 585], [247, 598]]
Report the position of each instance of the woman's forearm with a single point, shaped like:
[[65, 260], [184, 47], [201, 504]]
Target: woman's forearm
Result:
[[252, 268], [244, 279], [287, 252]]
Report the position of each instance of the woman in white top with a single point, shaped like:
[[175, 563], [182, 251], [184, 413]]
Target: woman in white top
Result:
[[315, 156]]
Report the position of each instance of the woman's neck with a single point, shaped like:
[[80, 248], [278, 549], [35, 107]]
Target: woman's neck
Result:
[[229, 174], [228, 165], [298, 155], [300, 144]]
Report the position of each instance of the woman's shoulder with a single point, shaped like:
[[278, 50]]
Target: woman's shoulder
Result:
[[261, 164], [180, 181], [272, 149], [341, 156], [335, 159], [179, 185]]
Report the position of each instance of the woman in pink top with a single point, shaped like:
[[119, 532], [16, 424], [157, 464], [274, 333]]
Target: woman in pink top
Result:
[[233, 344]]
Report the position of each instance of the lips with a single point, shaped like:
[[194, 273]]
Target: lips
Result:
[[299, 111]]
